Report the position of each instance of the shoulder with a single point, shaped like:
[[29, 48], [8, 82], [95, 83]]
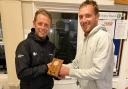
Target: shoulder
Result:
[[104, 38], [23, 44], [102, 33]]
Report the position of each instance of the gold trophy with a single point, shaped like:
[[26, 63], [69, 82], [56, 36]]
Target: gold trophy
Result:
[[55, 67]]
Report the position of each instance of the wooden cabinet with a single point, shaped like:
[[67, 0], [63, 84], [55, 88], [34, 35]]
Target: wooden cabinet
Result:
[[121, 2]]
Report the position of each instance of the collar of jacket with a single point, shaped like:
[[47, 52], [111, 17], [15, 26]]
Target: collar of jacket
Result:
[[33, 36], [96, 29]]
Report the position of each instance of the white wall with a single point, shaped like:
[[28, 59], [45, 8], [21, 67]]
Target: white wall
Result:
[[11, 18], [101, 2]]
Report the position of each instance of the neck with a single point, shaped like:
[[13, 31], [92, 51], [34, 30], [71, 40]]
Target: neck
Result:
[[86, 34], [39, 38]]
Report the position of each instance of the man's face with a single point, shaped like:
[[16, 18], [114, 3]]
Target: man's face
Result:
[[42, 25], [88, 18]]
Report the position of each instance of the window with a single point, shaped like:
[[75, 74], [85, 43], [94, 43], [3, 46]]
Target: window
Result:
[[2, 52], [64, 35]]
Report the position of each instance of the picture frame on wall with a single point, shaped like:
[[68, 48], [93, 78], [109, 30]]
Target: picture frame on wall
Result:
[[121, 2], [109, 19]]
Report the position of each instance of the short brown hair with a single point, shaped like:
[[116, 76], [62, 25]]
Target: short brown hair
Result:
[[43, 12], [90, 2]]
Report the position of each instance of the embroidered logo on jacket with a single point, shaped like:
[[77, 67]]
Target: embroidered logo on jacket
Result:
[[34, 53], [20, 55]]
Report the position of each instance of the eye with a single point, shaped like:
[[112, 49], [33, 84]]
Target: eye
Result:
[[87, 15], [80, 16], [40, 24], [46, 25]]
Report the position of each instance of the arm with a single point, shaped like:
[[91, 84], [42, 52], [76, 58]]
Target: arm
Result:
[[103, 58], [24, 69]]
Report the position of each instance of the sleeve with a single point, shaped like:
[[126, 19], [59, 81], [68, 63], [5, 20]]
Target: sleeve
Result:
[[74, 63], [103, 58], [22, 62]]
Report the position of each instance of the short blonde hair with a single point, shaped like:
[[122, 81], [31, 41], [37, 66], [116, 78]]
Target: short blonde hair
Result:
[[43, 12], [90, 2]]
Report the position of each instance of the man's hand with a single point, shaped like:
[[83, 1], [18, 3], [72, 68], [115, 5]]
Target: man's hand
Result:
[[64, 71]]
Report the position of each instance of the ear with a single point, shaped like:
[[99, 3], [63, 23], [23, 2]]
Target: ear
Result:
[[97, 16]]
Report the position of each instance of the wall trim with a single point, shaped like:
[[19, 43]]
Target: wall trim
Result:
[[57, 7]]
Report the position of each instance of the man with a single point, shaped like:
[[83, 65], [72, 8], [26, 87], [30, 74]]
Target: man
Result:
[[34, 54], [93, 65]]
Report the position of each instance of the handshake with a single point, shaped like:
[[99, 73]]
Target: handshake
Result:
[[56, 69]]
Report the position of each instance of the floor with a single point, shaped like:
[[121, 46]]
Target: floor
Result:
[[4, 81]]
